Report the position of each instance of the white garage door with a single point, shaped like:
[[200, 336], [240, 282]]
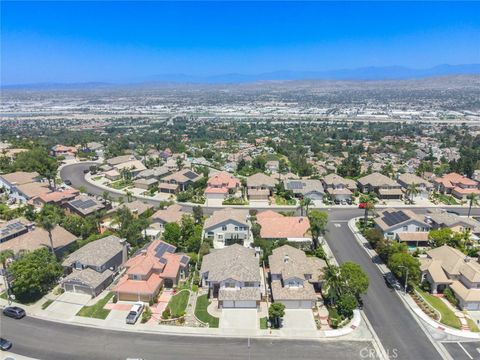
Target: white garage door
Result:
[[472, 306], [228, 303], [297, 304], [82, 289], [245, 304]]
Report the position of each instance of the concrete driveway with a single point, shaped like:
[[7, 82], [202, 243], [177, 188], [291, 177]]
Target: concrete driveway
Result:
[[239, 319], [67, 305], [299, 319]]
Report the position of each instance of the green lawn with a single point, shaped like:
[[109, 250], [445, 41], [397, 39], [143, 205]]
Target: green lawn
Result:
[[120, 184], [96, 311], [263, 323], [3, 295], [448, 316], [447, 199], [202, 314], [471, 324], [46, 304], [178, 303], [282, 201]]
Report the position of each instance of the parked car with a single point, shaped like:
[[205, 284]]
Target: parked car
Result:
[[14, 312], [349, 201], [362, 205], [68, 182], [5, 344], [86, 171], [135, 313]]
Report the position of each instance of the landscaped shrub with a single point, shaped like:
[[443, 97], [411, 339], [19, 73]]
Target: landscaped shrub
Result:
[[166, 314], [115, 299], [374, 236], [146, 315], [425, 286], [151, 302], [450, 297]]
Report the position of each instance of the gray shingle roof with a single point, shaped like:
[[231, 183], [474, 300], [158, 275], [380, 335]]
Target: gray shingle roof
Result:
[[96, 253]]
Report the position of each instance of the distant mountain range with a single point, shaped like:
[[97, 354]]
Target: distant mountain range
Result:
[[358, 74]]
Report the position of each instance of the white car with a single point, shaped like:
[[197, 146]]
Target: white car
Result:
[[135, 312]]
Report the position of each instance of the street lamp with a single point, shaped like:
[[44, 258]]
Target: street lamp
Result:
[[406, 277]]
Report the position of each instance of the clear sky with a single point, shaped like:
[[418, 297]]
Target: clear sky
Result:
[[126, 41]]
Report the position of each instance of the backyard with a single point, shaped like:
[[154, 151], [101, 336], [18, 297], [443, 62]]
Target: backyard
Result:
[[97, 311], [202, 314]]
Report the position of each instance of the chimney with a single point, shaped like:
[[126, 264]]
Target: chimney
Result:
[[286, 259]]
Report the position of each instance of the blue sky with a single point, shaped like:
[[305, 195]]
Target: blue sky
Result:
[[125, 41]]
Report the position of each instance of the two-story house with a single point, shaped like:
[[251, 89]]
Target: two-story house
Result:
[[339, 188], [448, 267], [422, 186], [94, 265], [153, 267], [22, 186], [182, 179], [457, 185], [220, 186], [275, 226], [384, 187], [403, 225], [228, 226], [233, 277], [260, 186], [306, 188], [295, 278]]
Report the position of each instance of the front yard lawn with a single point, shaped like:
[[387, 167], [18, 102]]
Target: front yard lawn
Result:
[[282, 201], [46, 304], [263, 323], [178, 303], [448, 317], [447, 199], [471, 324], [202, 314], [96, 311], [120, 184]]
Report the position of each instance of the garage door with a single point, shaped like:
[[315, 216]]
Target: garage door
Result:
[[239, 304], [82, 289], [297, 304], [472, 306]]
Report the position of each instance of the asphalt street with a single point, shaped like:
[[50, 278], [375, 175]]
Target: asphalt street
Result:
[[49, 340]]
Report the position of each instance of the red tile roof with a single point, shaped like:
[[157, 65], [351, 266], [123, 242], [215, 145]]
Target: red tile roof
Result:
[[277, 226]]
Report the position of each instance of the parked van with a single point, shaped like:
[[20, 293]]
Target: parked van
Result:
[[135, 312]]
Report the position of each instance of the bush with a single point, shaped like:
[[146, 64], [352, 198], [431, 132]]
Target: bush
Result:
[[450, 297], [146, 315], [166, 313], [374, 236], [425, 286]]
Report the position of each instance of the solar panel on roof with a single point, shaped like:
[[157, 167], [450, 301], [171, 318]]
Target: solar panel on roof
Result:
[[190, 174], [184, 260], [295, 185], [392, 218], [163, 260]]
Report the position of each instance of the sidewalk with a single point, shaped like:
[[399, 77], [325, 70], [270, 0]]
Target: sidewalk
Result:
[[407, 300]]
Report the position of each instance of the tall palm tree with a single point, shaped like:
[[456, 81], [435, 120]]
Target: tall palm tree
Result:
[[413, 191], [369, 206], [332, 283], [305, 203], [473, 201], [48, 223]]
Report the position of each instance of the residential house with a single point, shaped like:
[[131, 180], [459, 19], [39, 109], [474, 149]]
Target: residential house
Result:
[[306, 188], [439, 218], [457, 185], [145, 184], [220, 186], [95, 147], [392, 222], [275, 226], [338, 188], [384, 187], [228, 226], [154, 173], [233, 277], [134, 166], [173, 213], [37, 237], [260, 186], [295, 278], [155, 266], [424, 187], [85, 205], [68, 152], [112, 175], [119, 160], [22, 186], [183, 178], [93, 266], [59, 198], [272, 166], [448, 267]]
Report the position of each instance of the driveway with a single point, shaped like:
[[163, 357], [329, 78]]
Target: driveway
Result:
[[67, 305], [299, 319], [239, 319]]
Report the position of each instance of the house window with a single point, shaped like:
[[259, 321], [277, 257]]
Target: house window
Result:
[[249, 284], [236, 228], [405, 228], [224, 227], [230, 285]]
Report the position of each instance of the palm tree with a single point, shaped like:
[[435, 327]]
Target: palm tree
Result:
[[473, 201], [129, 195], [305, 203], [369, 206], [332, 283], [48, 223], [412, 191]]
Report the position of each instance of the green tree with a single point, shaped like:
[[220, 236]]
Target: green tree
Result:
[[48, 219], [198, 214], [412, 191], [276, 311], [4, 256], [472, 200], [34, 274], [172, 233], [318, 225], [354, 279], [333, 284], [346, 304], [400, 262]]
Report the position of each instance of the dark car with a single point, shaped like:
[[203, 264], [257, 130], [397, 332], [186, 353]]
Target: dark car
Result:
[[68, 182], [85, 171], [5, 344], [14, 312]]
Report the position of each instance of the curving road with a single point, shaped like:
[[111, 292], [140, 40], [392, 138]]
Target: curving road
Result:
[[56, 341]]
